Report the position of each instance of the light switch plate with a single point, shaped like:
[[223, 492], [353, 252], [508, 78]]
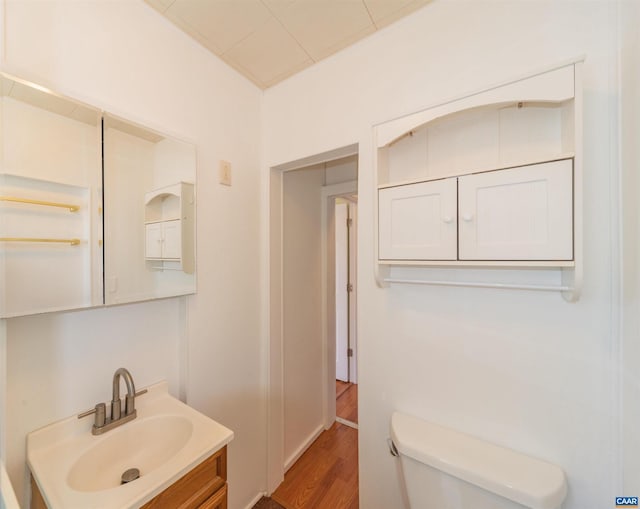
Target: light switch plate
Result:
[[225, 173]]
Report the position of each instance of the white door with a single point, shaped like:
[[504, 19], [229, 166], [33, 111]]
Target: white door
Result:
[[523, 213], [341, 299], [352, 296], [345, 299], [418, 221]]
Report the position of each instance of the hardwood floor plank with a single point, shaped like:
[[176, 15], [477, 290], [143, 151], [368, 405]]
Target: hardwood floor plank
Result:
[[326, 475], [267, 503], [341, 387], [347, 404], [337, 494]]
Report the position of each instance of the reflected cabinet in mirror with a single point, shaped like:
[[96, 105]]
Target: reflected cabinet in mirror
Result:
[[50, 201], [149, 213], [61, 247]]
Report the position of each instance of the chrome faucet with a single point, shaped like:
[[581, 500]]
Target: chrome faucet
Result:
[[102, 424]]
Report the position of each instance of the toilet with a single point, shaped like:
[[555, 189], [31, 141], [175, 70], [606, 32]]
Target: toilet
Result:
[[443, 469]]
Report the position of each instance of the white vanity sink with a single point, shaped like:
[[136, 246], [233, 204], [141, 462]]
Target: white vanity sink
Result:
[[74, 468]]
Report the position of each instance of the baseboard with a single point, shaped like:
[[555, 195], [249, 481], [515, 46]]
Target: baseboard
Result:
[[351, 424], [301, 450], [255, 500]]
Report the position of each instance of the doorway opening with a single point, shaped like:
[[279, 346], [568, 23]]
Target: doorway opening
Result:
[[302, 302], [345, 227]]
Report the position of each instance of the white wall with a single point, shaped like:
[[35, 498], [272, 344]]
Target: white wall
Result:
[[3, 389], [341, 170], [630, 158], [523, 369], [125, 58], [302, 306]]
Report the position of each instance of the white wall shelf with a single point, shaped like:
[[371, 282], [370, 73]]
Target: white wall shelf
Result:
[[490, 180], [169, 227], [45, 249]]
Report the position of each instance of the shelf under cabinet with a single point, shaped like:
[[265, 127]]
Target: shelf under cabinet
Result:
[[462, 173], [505, 264], [162, 220]]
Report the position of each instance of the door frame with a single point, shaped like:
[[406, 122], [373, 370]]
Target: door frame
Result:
[[273, 317]]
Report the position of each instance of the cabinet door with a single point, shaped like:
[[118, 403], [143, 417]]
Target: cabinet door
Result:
[[523, 213], [172, 240], [153, 240], [418, 221]]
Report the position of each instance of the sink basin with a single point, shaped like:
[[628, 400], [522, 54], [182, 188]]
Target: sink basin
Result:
[[144, 445], [74, 468]]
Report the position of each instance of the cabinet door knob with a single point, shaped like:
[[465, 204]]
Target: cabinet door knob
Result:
[[467, 217], [447, 219]]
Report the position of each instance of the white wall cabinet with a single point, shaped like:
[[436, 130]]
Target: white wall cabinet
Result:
[[163, 240], [419, 221], [489, 180], [523, 213], [169, 226]]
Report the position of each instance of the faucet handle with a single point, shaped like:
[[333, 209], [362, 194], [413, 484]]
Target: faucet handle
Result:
[[101, 415], [100, 411]]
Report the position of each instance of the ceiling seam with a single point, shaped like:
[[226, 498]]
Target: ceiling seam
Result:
[[169, 6], [373, 22], [284, 27]]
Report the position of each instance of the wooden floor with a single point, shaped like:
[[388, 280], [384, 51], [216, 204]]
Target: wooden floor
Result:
[[347, 401], [267, 503], [326, 475]]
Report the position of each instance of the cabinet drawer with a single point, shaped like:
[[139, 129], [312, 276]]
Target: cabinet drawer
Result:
[[217, 501], [196, 487], [523, 213], [418, 221]]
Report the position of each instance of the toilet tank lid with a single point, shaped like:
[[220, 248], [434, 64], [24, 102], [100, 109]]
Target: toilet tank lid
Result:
[[528, 481]]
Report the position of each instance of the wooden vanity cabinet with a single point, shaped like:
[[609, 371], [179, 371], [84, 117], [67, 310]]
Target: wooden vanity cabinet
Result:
[[37, 501], [204, 487]]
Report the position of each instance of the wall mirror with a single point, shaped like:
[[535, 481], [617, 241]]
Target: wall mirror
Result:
[[149, 201], [61, 246], [50, 201]]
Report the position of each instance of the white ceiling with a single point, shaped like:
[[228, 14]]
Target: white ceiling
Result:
[[269, 40]]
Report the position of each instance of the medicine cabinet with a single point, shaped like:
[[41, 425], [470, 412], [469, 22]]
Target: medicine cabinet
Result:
[[485, 189], [59, 240], [149, 220], [50, 201]]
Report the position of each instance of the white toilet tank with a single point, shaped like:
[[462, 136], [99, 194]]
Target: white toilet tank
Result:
[[445, 469]]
